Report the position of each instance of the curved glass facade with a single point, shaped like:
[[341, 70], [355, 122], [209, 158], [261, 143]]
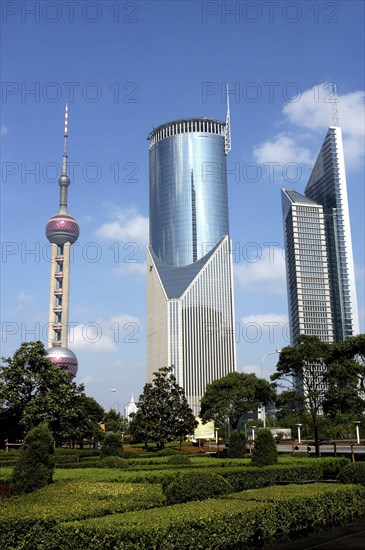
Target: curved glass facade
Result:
[[188, 189]]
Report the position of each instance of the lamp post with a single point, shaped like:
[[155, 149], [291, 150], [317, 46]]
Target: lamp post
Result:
[[253, 432], [263, 410], [299, 434], [117, 404], [105, 391], [357, 424]]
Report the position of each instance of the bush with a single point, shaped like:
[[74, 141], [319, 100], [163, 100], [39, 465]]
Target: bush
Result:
[[35, 465], [219, 524], [352, 473], [113, 462], [237, 445], [25, 517], [112, 445], [265, 451], [196, 486], [178, 459]]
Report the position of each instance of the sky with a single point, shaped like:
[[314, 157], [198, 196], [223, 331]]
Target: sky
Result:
[[125, 68]]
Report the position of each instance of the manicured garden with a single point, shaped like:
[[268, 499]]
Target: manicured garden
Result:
[[171, 502]]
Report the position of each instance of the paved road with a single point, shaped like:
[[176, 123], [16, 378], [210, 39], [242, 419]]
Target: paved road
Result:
[[328, 449]]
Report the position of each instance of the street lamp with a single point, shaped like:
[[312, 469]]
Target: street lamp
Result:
[[357, 424], [105, 391], [253, 432], [263, 411], [117, 404], [299, 435]]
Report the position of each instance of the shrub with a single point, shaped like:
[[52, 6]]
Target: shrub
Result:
[[113, 462], [196, 486], [35, 465], [237, 445], [112, 445], [352, 473], [219, 524], [265, 451], [167, 452], [178, 459]]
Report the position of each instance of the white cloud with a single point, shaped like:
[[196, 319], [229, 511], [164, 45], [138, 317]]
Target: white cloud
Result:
[[266, 319], [104, 335], [282, 149], [314, 111], [136, 268], [3, 130], [266, 274], [128, 225], [23, 297]]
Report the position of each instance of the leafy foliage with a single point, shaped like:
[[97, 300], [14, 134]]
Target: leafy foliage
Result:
[[326, 377], [237, 445], [163, 413], [262, 519], [112, 445], [33, 391], [233, 396], [265, 451], [35, 464], [352, 473], [178, 459], [196, 486]]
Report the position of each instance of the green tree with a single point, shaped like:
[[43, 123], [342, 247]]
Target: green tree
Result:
[[265, 451], [33, 391], [345, 379], [327, 377], [163, 413], [35, 464], [233, 396]]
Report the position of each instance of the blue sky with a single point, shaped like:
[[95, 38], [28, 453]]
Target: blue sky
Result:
[[127, 67]]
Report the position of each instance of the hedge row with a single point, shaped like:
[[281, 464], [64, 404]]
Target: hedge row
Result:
[[70, 500], [272, 515]]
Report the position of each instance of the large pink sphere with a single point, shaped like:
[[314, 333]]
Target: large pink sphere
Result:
[[63, 358], [61, 229]]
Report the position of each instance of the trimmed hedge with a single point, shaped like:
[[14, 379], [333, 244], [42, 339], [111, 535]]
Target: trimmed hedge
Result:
[[196, 486], [353, 473], [21, 517], [226, 523]]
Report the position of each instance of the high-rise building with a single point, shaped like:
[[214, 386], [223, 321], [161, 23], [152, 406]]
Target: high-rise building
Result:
[[327, 186], [307, 267], [62, 230], [190, 312], [319, 261]]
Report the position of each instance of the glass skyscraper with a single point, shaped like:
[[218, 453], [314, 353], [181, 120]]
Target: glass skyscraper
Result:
[[320, 268], [190, 314]]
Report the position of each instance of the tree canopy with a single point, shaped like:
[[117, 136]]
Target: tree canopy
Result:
[[234, 395], [33, 391], [163, 412], [329, 377]]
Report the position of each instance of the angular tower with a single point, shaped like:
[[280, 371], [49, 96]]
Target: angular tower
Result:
[[62, 230], [190, 311], [327, 186]]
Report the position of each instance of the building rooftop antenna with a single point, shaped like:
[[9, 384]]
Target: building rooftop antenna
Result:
[[227, 137], [333, 99]]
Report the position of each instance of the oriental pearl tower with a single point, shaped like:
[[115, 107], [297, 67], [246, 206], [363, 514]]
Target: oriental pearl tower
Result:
[[62, 230]]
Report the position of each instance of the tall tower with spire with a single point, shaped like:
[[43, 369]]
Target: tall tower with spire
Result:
[[62, 230]]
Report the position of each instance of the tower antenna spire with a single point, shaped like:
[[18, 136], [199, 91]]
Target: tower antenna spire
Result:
[[64, 180], [332, 87], [227, 137]]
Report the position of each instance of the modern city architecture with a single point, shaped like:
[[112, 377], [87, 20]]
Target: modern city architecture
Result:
[[62, 230], [319, 262], [190, 312]]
